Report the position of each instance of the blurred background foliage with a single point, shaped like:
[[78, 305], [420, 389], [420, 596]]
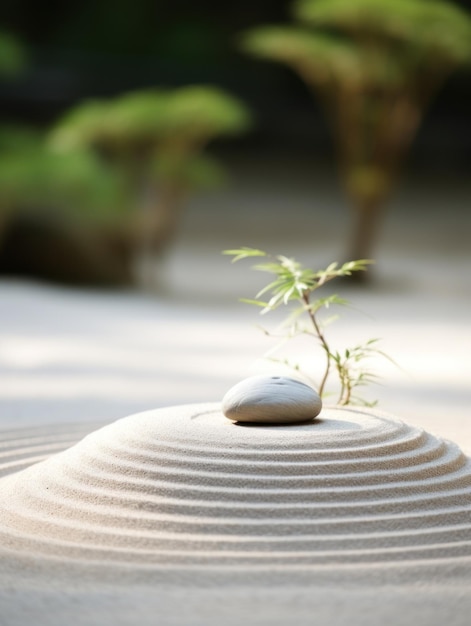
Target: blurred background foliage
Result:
[[375, 66], [98, 120], [154, 141], [33, 174]]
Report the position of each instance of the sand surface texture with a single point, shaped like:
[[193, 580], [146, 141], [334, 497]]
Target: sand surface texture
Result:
[[369, 525], [186, 500]]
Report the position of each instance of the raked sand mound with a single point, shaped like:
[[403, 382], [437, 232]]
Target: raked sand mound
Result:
[[183, 487]]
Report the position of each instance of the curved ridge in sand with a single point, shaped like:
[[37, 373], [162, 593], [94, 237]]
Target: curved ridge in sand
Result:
[[184, 486]]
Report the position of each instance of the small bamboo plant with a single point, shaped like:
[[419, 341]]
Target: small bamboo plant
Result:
[[296, 287]]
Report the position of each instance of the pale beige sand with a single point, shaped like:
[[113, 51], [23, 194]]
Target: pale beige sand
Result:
[[75, 356], [181, 514]]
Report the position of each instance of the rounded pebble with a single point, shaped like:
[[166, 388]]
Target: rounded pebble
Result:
[[271, 400]]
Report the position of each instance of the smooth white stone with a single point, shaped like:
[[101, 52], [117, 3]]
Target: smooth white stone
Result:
[[272, 400]]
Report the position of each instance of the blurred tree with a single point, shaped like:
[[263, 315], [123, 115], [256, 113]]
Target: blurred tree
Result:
[[47, 200], [34, 175], [155, 139], [31, 171], [375, 65], [54, 211]]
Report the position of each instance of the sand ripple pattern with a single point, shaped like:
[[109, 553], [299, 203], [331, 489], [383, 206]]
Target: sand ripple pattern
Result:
[[183, 486]]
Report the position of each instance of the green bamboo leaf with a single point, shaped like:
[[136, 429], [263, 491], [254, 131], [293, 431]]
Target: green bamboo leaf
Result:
[[326, 302], [260, 303], [272, 268], [287, 295], [275, 301], [270, 287], [243, 253], [360, 265], [329, 320]]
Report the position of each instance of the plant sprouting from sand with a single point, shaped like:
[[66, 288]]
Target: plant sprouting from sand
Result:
[[296, 287]]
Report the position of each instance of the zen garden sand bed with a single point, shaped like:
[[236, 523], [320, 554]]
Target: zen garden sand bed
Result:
[[75, 360]]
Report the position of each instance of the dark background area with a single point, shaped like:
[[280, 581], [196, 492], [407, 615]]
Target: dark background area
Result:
[[101, 48]]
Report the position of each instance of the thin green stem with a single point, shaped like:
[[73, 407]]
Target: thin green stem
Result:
[[342, 383], [347, 394], [322, 339]]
